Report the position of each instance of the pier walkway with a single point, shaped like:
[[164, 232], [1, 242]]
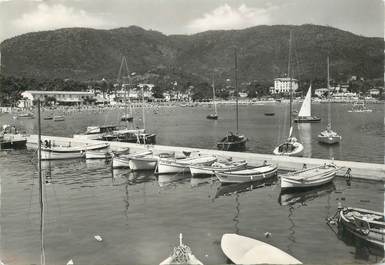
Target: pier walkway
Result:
[[368, 171]]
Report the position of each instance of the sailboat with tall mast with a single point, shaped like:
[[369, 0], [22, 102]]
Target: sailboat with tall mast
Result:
[[291, 147], [213, 116], [234, 142], [127, 116], [328, 136], [304, 114]]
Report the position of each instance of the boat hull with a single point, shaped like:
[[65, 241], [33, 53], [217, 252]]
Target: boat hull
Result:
[[13, 144], [182, 166], [239, 145], [212, 117], [290, 183], [57, 153], [266, 172], [93, 136], [297, 151], [97, 155], [369, 231], [329, 139], [200, 171], [311, 119], [120, 162], [145, 163]]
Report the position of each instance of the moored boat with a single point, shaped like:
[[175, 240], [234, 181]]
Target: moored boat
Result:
[[169, 166], [360, 106], [232, 142], [28, 115], [143, 163], [245, 250], [127, 117], [58, 118], [68, 152], [202, 170], [329, 136], [309, 177], [122, 161], [90, 154], [365, 224], [95, 132], [249, 174], [291, 147]]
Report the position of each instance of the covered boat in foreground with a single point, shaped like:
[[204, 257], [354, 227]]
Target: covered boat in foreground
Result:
[[365, 224], [249, 174], [291, 147], [171, 166], [309, 177], [245, 250]]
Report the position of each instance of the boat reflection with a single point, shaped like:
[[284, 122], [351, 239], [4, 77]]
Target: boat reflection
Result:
[[304, 131], [363, 250], [301, 197], [171, 180], [229, 189], [196, 182]]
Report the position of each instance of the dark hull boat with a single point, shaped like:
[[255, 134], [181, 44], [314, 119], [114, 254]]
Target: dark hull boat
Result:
[[232, 142], [212, 117], [307, 119], [12, 143], [269, 113], [127, 118], [329, 137], [144, 138]]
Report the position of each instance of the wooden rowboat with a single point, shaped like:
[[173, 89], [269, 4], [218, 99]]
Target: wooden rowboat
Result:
[[308, 178], [245, 250], [249, 174]]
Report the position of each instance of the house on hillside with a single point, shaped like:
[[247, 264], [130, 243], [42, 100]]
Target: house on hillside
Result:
[[282, 85]]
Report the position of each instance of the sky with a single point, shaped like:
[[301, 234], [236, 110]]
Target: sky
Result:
[[363, 17]]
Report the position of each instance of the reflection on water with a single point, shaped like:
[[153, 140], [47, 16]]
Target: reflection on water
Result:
[[130, 209], [300, 198], [305, 134]]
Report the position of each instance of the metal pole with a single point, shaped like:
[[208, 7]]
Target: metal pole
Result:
[[291, 81], [329, 104], [236, 85]]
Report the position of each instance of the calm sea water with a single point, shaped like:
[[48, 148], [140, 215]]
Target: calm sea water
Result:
[[140, 216], [363, 133]]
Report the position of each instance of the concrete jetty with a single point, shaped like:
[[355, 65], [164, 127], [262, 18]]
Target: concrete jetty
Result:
[[359, 170]]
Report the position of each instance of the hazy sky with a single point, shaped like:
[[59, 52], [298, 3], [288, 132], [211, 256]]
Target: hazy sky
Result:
[[364, 17]]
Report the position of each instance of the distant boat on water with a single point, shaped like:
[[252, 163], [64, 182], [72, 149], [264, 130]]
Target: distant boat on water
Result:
[[360, 106], [234, 142], [58, 118], [213, 116], [304, 114], [328, 136], [28, 115]]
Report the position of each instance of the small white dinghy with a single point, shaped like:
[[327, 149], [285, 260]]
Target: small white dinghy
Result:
[[69, 152], [245, 250], [97, 154], [310, 177], [249, 174], [220, 166], [170, 166], [122, 161], [181, 255]]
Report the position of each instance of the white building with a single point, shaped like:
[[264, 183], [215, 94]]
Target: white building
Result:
[[282, 85], [61, 97]]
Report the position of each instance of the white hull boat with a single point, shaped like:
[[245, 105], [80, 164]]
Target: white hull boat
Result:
[[95, 132], [248, 175], [201, 170], [123, 161], [245, 250], [308, 178], [329, 137], [97, 155], [143, 163], [172, 166], [60, 152], [289, 148]]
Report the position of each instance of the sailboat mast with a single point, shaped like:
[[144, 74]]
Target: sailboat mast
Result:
[[329, 103], [143, 114], [236, 85], [291, 81], [41, 198], [215, 105]]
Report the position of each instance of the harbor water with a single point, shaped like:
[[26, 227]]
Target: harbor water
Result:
[[139, 215]]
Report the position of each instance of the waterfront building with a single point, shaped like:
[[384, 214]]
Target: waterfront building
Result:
[[282, 85], [59, 97]]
